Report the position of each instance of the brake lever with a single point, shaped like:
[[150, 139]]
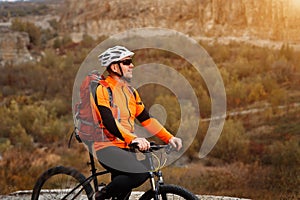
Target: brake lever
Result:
[[169, 149]]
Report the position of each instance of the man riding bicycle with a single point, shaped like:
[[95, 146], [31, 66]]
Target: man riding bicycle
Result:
[[118, 121]]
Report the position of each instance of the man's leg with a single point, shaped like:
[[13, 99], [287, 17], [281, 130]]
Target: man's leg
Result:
[[122, 165]]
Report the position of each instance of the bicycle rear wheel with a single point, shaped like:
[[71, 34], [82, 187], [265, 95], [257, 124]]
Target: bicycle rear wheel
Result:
[[57, 182], [167, 192]]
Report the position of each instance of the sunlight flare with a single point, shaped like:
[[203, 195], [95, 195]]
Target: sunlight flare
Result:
[[296, 3]]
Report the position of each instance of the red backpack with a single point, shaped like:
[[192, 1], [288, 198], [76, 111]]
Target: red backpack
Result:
[[88, 126]]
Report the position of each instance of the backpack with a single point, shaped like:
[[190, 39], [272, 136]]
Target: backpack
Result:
[[88, 126]]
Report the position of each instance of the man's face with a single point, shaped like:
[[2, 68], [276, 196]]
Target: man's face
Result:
[[127, 67]]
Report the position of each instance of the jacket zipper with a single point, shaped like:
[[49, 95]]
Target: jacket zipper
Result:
[[127, 102]]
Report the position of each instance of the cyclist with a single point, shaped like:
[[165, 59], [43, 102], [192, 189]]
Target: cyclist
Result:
[[127, 172]]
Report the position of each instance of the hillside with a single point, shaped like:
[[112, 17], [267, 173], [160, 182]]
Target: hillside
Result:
[[265, 19], [253, 44]]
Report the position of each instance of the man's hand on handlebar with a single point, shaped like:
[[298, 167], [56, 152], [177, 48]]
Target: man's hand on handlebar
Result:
[[176, 143], [143, 144]]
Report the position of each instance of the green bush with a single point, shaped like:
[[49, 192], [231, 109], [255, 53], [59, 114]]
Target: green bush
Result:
[[257, 93], [33, 31], [58, 107], [21, 138], [172, 108], [283, 70], [278, 96], [285, 161], [233, 144], [236, 94], [50, 59], [5, 144], [55, 130], [23, 124], [33, 118], [8, 119]]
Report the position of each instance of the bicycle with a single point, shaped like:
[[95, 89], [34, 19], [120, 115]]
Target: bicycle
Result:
[[68, 183]]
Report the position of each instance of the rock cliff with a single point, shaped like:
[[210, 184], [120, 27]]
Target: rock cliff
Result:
[[262, 19], [13, 47]]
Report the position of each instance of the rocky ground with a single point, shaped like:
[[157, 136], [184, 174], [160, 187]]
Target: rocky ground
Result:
[[26, 195]]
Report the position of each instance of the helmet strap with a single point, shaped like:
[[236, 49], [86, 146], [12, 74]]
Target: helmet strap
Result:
[[122, 74], [120, 68], [109, 69]]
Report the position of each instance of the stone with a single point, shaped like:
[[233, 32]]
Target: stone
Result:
[[264, 19], [13, 47]]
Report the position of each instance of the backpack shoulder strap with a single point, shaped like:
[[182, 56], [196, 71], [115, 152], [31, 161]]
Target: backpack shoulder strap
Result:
[[133, 90], [106, 85]]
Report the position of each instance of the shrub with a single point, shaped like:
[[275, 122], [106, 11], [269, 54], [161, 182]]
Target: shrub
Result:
[[257, 92], [278, 97], [232, 145], [4, 144], [23, 124], [8, 119], [269, 83], [21, 138], [16, 170], [283, 70], [53, 131], [58, 107], [33, 118], [172, 108], [285, 161], [87, 41], [236, 94], [33, 31], [50, 59], [199, 179], [286, 51]]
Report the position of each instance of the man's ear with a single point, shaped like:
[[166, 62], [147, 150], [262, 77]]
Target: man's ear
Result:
[[114, 68]]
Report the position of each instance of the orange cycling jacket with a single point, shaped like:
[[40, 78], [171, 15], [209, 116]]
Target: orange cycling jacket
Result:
[[118, 119]]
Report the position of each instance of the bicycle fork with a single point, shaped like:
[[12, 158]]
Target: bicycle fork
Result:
[[155, 183]]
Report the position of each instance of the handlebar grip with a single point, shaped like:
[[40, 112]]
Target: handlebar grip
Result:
[[134, 146], [153, 147]]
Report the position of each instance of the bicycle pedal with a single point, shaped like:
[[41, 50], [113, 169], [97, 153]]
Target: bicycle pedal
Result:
[[101, 193], [101, 185]]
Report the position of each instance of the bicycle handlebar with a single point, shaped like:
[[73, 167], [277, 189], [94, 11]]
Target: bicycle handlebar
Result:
[[153, 147]]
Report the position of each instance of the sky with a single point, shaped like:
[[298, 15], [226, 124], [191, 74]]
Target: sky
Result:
[[11, 0]]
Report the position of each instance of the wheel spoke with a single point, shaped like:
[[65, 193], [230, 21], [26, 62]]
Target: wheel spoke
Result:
[[61, 183]]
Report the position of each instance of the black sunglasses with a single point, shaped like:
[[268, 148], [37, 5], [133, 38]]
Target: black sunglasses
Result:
[[126, 61]]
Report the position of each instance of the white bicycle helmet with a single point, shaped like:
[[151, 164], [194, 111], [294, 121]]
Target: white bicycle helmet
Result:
[[113, 54]]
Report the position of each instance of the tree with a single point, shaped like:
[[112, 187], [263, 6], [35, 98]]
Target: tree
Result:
[[33, 31]]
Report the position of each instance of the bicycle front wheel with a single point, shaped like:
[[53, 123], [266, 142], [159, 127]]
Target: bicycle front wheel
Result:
[[169, 192], [61, 183]]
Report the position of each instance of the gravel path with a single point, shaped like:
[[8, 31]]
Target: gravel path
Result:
[[26, 195]]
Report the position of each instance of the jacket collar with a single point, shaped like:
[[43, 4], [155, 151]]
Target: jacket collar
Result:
[[115, 83]]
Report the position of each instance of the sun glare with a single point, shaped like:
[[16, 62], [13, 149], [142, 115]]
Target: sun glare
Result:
[[296, 3]]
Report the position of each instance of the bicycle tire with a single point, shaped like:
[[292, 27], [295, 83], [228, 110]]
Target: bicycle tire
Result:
[[170, 192], [56, 181]]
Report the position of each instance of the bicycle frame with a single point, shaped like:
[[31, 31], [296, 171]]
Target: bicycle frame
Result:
[[93, 177], [158, 188]]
